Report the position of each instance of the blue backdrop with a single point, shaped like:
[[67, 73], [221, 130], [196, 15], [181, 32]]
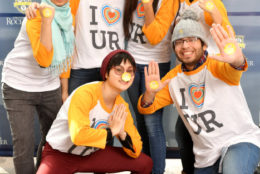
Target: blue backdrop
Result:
[[244, 16]]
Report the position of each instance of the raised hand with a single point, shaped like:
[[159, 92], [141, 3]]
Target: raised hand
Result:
[[30, 12], [210, 7], [117, 120], [153, 83], [230, 52], [47, 12], [207, 5]]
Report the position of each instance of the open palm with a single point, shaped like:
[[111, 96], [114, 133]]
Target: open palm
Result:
[[152, 75], [230, 52]]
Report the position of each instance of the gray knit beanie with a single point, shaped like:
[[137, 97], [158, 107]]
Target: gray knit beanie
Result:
[[189, 26]]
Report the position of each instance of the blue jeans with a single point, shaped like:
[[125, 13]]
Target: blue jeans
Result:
[[241, 158], [79, 77], [20, 107], [149, 126]]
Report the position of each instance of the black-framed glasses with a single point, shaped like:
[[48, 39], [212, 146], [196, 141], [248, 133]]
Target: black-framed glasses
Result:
[[119, 70], [188, 40]]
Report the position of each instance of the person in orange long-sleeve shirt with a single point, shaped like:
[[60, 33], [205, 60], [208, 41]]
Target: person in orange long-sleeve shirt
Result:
[[155, 29], [81, 136], [34, 78]]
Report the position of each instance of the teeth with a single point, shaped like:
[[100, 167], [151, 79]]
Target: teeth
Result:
[[187, 53]]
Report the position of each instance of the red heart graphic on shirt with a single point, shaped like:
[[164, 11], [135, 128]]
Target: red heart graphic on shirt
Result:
[[111, 15], [197, 94]]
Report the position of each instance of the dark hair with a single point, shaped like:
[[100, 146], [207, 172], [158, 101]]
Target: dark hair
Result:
[[118, 59], [130, 7]]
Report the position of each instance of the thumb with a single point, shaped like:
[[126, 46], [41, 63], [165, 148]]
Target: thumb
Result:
[[217, 57], [110, 119], [166, 82]]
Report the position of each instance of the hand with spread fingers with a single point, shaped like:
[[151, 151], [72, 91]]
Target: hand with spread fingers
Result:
[[230, 52], [152, 78], [153, 83], [117, 120]]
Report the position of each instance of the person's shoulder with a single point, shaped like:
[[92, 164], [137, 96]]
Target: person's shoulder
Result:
[[121, 100], [91, 88], [173, 72]]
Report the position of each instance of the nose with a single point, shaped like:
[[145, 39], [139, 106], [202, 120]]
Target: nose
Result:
[[185, 43]]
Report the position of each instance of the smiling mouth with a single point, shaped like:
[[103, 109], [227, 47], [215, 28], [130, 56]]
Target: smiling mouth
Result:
[[123, 82], [187, 53]]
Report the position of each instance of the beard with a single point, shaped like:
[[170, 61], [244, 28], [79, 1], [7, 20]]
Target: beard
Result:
[[193, 60]]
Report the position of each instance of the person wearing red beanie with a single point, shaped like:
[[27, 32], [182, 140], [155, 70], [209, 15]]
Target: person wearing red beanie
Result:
[[81, 136]]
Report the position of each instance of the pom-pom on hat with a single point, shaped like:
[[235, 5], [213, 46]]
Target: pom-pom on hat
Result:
[[189, 26], [107, 59]]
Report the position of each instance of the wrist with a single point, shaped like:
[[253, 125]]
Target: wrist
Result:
[[145, 103], [122, 135], [46, 21], [240, 62], [148, 96]]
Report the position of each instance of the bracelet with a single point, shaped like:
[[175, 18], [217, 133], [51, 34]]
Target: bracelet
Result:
[[145, 104], [241, 67]]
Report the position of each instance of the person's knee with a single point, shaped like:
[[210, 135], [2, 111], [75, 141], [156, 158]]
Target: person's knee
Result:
[[145, 163], [241, 158]]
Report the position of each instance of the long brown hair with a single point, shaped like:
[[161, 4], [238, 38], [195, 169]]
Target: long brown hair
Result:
[[130, 6]]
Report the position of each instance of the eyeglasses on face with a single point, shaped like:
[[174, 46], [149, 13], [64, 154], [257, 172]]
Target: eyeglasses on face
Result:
[[119, 70], [188, 40]]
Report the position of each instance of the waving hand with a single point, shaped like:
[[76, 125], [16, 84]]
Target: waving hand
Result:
[[230, 52]]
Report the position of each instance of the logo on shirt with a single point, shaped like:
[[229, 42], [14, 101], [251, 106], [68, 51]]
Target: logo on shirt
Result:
[[111, 15], [140, 10], [21, 5], [197, 94], [101, 124]]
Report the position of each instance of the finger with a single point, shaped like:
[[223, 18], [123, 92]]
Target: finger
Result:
[[157, 70], [115, 109], [231, 32], [120, 110], [166, 82], [153, 68], [27, 14], [218, 32], [34, 8], [110, 119], [150, 68], [215, 37], [124, 117], [201, 4], [145, 73], [223, 31]]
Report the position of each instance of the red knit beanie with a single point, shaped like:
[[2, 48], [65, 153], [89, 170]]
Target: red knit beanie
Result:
[[106, 60]]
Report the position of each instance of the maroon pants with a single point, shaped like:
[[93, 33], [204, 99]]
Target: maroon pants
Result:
[[110, 159]]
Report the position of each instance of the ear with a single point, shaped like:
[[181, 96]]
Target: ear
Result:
[[204, 47], [106, 75]]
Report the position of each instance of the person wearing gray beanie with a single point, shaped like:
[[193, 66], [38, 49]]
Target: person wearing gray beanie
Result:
[[189, 26], [206, 92]]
